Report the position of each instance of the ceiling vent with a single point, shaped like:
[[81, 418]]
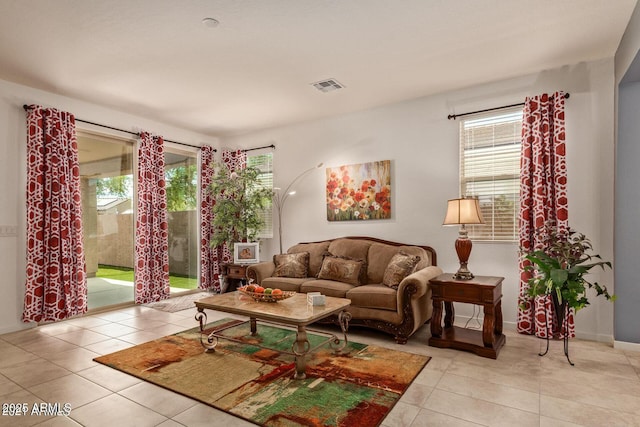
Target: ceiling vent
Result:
[[328, 85]]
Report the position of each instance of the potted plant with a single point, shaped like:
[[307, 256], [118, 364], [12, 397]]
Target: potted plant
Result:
[[560, 266], [239, 203]]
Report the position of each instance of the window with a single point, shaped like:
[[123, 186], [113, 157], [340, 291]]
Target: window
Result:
[[490, 171], [264, 162]]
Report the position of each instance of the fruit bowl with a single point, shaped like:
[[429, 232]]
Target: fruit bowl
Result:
[[265, 297]]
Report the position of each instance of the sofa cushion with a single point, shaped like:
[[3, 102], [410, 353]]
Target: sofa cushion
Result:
[[379, 257], [316, 253], [374, 296], [350, 248], [400, 266], [329, 288], [284, 283], [291, 265], [342, 269]]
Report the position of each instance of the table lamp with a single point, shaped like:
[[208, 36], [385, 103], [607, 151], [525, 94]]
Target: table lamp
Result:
[[463, 211]]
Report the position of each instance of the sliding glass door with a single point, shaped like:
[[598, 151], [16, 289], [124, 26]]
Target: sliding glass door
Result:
[[182, 199], [106, 170]]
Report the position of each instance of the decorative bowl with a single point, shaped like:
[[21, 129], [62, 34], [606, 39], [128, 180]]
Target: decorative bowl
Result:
[[262, 297]]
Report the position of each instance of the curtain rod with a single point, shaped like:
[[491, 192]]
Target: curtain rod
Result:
[[26, 107], [453, 116], [259, 148]]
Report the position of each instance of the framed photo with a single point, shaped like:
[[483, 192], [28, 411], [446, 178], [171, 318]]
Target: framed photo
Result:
[[246, 253]]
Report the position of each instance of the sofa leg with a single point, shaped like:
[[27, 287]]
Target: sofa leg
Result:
[[401, 339]]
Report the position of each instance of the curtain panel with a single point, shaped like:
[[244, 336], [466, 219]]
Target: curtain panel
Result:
[[56, 283], [152, 227], [543, 199], [209, 265]]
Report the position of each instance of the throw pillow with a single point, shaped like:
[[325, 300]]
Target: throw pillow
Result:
[[400, 266], [342, 269], [291, 265]]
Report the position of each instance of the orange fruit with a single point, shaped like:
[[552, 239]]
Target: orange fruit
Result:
[[258, 290], [250, 288], [276, 292]]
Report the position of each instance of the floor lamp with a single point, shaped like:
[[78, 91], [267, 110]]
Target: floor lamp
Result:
[[462, 212], [280, 198]]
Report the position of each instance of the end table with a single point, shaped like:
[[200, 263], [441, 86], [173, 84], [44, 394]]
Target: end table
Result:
[[233, 275], [481, 290]]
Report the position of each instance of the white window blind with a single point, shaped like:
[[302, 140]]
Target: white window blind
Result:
[[264, 162], [490, 171]]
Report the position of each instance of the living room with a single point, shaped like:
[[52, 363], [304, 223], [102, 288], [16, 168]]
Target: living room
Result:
[[422, 144]]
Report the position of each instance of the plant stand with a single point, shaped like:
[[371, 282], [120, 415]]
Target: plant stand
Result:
[[562, 317]]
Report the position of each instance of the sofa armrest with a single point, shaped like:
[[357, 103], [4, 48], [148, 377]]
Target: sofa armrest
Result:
[[260, 271], [420, 279]]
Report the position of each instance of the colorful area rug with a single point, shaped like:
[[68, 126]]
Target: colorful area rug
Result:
[[355, 389]]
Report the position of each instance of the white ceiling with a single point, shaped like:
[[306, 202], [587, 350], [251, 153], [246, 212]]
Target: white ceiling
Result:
[[154, 58]]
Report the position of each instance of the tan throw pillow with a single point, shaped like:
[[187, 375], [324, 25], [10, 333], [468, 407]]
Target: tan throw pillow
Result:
[[291, 265], [341, 269], [400, 266]]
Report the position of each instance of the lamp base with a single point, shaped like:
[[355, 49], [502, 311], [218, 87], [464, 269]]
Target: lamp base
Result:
[[463, 273], [463, 249]]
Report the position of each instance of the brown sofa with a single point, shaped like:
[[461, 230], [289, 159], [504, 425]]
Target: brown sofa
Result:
[[368, 271]]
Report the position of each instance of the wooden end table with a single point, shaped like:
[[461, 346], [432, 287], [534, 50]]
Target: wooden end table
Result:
[[234, 275], [481, 290]]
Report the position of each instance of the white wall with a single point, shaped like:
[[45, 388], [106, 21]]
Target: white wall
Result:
[[13, 176], [423, 147]]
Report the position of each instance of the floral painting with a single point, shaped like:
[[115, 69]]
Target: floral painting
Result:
[[359, 192]]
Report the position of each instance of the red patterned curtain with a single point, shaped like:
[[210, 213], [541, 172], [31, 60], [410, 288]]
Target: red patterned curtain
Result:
[[543, 199], [209, 265], [152, 236], [56, 286]]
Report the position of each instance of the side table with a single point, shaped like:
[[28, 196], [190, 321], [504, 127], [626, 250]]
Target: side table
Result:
[[481, 290], [233, 275]]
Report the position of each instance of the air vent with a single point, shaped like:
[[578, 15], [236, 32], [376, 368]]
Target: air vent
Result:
[[328, 85]]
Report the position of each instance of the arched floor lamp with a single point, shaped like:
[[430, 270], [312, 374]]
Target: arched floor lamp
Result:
[[280, 198]]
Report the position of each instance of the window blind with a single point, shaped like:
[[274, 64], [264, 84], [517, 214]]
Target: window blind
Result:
[[490, 171], [264, 162]]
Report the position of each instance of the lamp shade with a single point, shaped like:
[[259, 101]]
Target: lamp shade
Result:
[[463, 211]]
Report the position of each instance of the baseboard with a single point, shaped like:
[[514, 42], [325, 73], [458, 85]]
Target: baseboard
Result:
[[626, 346], [17, 328], [512, 326]]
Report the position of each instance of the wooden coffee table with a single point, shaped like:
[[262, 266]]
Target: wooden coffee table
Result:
[[293, 311]]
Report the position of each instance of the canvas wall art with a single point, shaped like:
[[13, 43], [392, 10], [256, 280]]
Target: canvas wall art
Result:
[[359, 192]]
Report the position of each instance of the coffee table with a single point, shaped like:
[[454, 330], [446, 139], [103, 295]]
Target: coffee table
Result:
[[294, 311]]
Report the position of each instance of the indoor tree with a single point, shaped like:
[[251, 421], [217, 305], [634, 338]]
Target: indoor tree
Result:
[[239, 202]]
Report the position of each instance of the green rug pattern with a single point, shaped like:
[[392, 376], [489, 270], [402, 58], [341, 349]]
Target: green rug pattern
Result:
[[356, 389]]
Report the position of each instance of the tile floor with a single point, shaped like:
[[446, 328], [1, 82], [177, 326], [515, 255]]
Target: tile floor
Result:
[[53, 363]]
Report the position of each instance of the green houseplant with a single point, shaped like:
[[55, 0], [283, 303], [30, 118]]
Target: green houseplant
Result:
[[239, 203], [559, 268]]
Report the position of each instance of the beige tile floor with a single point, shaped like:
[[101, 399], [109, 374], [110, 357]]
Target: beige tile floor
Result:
[[53, 363]]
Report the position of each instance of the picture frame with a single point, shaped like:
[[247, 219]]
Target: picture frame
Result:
[[359, 192], [246, 252]]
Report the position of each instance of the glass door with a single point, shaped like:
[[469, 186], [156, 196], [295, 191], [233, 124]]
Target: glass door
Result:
[[181, 178], [108, 220]]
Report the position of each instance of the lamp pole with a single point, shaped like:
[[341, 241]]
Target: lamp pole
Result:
[[280, 199]]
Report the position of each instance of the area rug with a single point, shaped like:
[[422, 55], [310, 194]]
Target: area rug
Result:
[[180, 303], [355, 389]]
